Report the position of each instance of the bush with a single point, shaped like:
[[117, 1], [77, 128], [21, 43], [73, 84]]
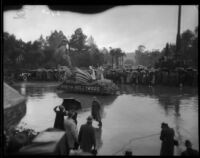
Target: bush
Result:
[[18, 138]]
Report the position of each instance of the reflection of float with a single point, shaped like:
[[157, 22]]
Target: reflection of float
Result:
[[82, 82], [79, 81], [86, 100]]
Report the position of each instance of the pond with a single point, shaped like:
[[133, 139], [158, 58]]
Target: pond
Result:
[[131, 120]]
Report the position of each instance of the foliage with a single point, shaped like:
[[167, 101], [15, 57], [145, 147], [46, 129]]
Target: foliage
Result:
[[129, 62], [49, 53], [145, 57], [80, 51], [78, 40], [187, 56], [18, 138]]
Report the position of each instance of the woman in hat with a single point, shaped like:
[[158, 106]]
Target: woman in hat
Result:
[[96, 110], [59, 120]]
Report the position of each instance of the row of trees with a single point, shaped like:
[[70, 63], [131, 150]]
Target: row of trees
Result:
[[84, 52], [187, 56], [188, 53], [145, 57], [43, 52]]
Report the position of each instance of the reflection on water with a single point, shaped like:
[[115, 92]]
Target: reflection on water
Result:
[[138, 111], [86, 100]]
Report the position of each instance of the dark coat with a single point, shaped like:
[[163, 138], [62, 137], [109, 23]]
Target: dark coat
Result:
[[190, 152], [59, 120], [86, 137], [167, 138], [96, 111]]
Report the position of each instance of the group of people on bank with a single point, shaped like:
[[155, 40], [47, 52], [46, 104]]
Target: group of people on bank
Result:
[[86, 141], [42, 75], [85, 138], [149, 77]]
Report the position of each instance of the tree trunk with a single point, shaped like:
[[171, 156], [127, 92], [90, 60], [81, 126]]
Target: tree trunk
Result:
[[117, 60], [112, 61]]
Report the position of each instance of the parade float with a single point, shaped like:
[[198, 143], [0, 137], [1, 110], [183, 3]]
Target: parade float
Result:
[[80, 81], [76, 80]]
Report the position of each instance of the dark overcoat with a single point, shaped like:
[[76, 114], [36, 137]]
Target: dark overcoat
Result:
[[59, 120], [96, 111], [167, 138], [86, 137]]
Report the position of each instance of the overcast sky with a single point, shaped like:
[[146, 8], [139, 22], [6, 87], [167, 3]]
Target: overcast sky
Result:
[[125, 27]]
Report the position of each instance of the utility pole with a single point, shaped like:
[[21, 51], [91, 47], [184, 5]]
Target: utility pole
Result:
[[178, 37]]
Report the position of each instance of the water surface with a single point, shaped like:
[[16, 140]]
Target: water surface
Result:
[[131, 120]]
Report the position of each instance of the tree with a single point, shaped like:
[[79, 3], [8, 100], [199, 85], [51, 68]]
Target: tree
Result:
[[194, 49], [94, 52], [53, 51], [118, 53], [13, 51], [148, 58], [106, 55], [139, 55], [187, 38], [141, 48], [112, 54], [167, 50], [78, 40], [129, 62], [43, 42], [54, 40], [33, 51], [123, 55]]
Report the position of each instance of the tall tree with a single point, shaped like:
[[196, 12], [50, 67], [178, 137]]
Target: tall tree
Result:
[[43, 42], [78, 40], [112, 54], [123, 55], [54, 40], [106, 55]]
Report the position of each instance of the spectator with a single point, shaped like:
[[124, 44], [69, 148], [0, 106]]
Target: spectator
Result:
[[95, 111], [71, 131], [167, 138], [189, 151], [86, 136], [74, 117], [59, 120]]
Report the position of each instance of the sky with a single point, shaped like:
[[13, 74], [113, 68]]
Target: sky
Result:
[[124, 27]]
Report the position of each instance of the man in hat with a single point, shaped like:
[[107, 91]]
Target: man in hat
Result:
[[189, 151], [96, 109], [167, 138], [71, 130], [86, 136]]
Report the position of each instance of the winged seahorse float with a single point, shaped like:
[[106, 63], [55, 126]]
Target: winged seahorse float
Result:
[[77, 80]]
